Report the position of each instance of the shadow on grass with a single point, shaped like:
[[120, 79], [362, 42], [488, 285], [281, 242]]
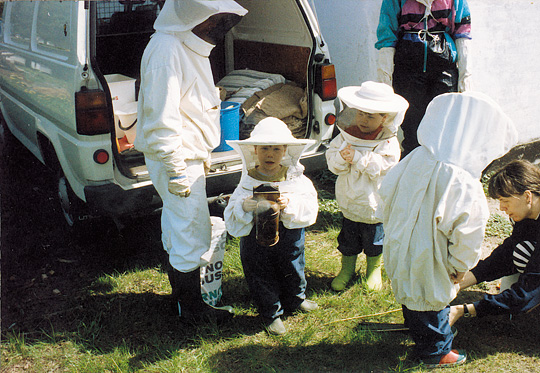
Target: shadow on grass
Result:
[[485, 336], [321, 357], [147, 324]]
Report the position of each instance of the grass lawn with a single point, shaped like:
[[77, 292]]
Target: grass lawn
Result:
[[90, 307]]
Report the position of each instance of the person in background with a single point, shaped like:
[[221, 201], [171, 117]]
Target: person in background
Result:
[[274, 271], [423, 52], [178, 127], [517, 187], [435, 212], [366, 148]]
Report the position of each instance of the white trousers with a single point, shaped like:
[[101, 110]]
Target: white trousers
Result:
[[186, 230]]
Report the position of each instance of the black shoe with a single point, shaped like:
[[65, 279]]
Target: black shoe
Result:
[[206, 314], [186, 288]]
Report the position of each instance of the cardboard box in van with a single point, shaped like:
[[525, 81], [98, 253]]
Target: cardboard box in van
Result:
[[69, 74]]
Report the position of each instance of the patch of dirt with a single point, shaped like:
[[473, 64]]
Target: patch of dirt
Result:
[[47, 272]]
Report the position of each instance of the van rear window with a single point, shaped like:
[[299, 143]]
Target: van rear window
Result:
[[123, 17]]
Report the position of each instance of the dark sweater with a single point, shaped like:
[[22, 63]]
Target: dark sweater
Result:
[[524, 295]]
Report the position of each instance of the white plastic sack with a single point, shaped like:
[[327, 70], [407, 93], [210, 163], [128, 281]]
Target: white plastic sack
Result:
[[212, 263]]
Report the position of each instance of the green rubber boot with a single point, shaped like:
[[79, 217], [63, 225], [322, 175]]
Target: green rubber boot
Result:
[[348, 267], [374, 272]]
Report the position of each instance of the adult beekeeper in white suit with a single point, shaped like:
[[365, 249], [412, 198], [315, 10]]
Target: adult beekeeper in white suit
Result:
[[435, 213], [178, 127]]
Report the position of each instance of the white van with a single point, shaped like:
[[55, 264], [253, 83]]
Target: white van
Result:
[[69, 73]]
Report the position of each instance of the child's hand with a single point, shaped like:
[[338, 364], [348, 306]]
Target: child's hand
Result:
[[457, 277], [249, 204], [347, 153], [282, 202]]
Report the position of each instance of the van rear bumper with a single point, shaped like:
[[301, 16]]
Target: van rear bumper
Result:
[[113, 201]]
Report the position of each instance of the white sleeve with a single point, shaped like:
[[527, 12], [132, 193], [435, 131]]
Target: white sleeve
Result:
[[303, 206], [464, 80], [385, 65], [238, 222], [162, 122], [463, 222], [336, 163], [377, 163]]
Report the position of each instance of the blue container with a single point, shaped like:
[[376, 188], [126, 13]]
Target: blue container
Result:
[[229, 120]]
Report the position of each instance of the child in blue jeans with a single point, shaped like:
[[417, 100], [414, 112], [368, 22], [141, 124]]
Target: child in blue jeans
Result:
[[435, 213], [274, 271]]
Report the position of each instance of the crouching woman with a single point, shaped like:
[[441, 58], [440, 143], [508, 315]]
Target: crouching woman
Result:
[[517, 187]]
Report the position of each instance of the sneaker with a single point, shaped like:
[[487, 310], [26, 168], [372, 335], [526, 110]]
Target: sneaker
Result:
[[276, 327], [453, 358], [308, 306]]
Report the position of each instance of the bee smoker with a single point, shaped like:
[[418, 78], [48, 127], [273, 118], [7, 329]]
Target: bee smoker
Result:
[[266, 214]]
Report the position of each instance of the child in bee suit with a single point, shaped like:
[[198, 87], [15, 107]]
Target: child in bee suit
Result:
[[274, 274], [363, 152], [435, 213]]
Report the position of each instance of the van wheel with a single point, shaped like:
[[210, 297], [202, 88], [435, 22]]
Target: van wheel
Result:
[[84, 227], [72, 207]]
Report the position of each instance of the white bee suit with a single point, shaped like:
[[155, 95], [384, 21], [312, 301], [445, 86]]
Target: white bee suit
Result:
[[302, 209], [178, 122], [358, 182], [435, 210]]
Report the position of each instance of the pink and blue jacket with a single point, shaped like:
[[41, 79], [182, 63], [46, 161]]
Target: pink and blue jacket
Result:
[[399, 17]]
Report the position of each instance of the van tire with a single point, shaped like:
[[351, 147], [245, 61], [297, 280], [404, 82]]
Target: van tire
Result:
[[73, 209]]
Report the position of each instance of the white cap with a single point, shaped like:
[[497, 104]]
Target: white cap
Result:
[[271, 131], [373, 97]]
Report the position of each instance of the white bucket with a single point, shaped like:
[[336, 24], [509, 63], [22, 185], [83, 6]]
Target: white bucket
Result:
[[125, 117], [122, 88]]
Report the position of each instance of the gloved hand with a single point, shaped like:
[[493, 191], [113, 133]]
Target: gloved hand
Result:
[[207, 164], [385, 65], [464, 80], [179, 185]]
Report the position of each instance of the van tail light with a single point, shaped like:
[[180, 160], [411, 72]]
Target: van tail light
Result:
[[330, 119], [101, 156], [91, 112], [325, 82]]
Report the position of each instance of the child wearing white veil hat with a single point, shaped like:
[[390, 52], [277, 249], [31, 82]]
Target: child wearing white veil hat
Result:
[[274, 271], [366, 148]]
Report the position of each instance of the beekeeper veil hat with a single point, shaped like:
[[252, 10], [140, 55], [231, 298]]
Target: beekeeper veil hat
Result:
[[184, 15], [372, 97], [468, 130], [271, 131]]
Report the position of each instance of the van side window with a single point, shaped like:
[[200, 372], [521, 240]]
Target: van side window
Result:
[[22, 15], [53, 29]]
